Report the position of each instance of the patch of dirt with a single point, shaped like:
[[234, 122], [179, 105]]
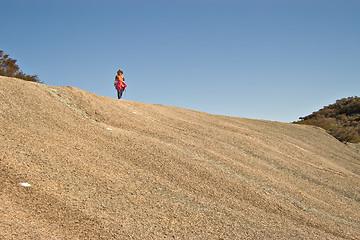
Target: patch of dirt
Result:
[[354, 146]]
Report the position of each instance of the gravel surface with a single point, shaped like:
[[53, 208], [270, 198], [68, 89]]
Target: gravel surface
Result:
[[75, 165]]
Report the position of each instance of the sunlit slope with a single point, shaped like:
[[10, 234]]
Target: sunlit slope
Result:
[[102, 168]]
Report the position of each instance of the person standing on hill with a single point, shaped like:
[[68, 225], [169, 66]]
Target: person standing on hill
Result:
[[119, 83]]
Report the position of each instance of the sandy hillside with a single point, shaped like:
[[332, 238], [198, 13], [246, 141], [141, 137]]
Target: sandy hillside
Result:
[[102, 168]]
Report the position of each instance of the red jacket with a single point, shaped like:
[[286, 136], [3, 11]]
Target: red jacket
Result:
[[120, 84]]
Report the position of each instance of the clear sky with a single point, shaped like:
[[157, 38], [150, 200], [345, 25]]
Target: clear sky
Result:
[[262, 59]]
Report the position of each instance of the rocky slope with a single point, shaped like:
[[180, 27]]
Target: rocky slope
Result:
[[102, 168]]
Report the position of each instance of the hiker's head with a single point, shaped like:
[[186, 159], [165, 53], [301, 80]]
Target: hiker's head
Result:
[[120, 71]]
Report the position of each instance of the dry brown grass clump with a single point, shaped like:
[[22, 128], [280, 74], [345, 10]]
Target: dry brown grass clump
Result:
[[103, 168]]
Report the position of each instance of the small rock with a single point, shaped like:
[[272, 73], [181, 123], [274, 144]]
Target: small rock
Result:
[[24, 184]]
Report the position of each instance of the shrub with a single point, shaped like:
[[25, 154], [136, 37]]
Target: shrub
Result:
[[341, 119], [9, 68]]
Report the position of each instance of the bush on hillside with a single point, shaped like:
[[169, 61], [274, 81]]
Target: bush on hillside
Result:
[[341, 119], [9, 68]]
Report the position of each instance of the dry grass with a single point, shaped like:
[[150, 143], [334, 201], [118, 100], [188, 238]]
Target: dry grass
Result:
[[164, 172]]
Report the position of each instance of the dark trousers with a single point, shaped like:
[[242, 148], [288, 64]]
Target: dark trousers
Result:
[[120, 92]]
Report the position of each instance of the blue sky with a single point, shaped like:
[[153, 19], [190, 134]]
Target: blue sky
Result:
[[263, 59]]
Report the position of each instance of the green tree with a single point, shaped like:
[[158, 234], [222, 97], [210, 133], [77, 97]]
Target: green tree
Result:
[[9, 68], [341, 119]]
